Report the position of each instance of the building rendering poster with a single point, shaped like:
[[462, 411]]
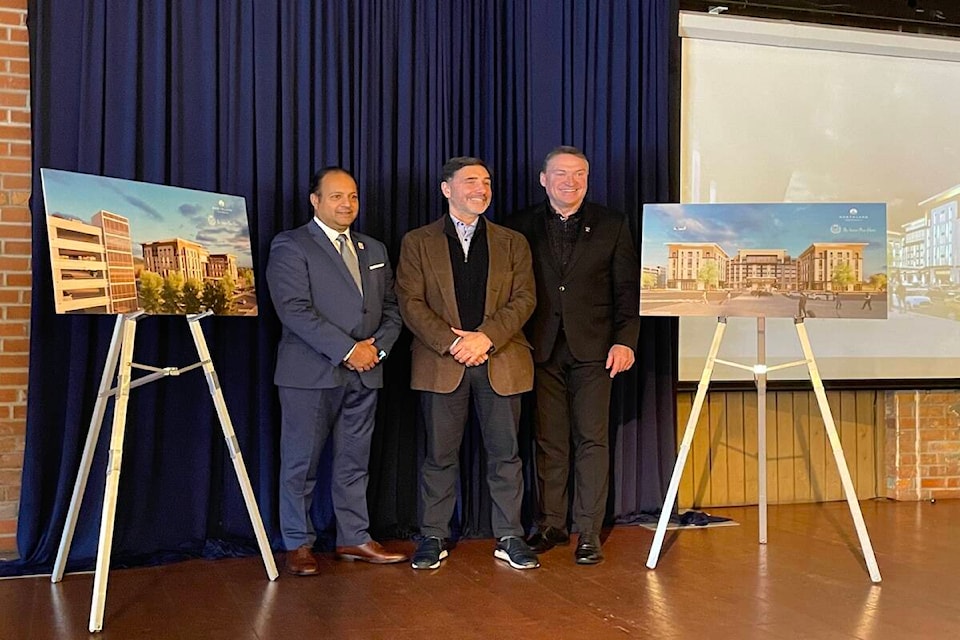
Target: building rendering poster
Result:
[[786, 260], [119, 246]]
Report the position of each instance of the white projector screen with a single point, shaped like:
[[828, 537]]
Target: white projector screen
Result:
[[786, 112]]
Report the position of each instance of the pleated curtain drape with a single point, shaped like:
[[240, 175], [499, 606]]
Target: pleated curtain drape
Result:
[[249, 97]]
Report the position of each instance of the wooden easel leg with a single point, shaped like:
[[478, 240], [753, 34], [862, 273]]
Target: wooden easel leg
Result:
[[849, 490], [114, 462], [684, 450], [760, 378], [233, 446], [86, 460]]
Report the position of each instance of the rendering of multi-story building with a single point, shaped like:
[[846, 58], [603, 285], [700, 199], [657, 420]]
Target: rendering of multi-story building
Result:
[[176, 255], [654, 276], [818, 264], [79, 263], [222, 264], [765, 269], [942, 254], [686, 260], [121, 279], [913, 267], [92, 264]]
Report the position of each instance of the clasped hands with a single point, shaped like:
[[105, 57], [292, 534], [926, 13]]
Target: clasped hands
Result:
[[471, 348], [365, 356]]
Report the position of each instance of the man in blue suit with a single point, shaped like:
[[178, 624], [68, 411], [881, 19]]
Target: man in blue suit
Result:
[[333, 292]]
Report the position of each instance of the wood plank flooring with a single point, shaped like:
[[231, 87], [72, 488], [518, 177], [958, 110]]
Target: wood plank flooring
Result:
[[809, 581]]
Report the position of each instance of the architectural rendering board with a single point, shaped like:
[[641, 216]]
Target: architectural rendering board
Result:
[[787, 260], [119, 246]]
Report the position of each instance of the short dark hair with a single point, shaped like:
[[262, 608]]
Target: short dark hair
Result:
[[453, 165], [562, 150], [319, 176]]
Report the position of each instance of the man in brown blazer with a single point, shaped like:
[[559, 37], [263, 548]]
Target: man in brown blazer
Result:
[[465, 287]]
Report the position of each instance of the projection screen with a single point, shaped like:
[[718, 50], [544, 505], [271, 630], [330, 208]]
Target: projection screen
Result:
[[786, 112]]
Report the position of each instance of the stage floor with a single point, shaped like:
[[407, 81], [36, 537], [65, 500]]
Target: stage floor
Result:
[[809, 581]]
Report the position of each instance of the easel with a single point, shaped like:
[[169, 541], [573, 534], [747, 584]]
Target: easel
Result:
[[760, 371], [121, 348]]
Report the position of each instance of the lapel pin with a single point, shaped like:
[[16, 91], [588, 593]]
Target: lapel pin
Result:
[[360, 246], [586, 229]]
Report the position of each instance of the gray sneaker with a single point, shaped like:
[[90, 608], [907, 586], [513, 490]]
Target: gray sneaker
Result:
[[517, 553], [430, 552]]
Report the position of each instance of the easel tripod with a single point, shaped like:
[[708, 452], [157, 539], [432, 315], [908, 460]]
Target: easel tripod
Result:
[[121, 350], [760, 371]]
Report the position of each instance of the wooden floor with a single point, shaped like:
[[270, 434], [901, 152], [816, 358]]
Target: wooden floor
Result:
[[809, 581]]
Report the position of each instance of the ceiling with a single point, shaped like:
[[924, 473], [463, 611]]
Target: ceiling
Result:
[[940, 17]]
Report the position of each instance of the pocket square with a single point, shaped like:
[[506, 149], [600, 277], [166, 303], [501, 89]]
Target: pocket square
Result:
[[379, 265]]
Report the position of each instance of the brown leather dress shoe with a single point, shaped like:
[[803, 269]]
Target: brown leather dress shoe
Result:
[[369, 552], [300, 562]]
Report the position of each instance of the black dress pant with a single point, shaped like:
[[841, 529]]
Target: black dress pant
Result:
[[573, 409]]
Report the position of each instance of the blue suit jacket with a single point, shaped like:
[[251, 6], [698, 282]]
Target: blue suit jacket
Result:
[[322, 312]]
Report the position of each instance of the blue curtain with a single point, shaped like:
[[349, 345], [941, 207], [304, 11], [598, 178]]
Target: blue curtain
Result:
[[250, 97]]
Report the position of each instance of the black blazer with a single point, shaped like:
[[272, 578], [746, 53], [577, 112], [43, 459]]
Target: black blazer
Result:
[[597, 298]]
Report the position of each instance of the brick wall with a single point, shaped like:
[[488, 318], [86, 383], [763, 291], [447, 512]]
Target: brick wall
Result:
[[14, 256], [923, 444]]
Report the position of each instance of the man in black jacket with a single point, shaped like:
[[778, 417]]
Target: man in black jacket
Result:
[[583, 331]]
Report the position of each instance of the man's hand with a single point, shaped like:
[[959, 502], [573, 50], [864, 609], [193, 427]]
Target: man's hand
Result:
[[364, 356], [619, 358], [472, 348]]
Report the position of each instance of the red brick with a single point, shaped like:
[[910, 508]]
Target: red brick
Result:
[[944, 494], [18, 280], [17, 248], [18, 312], [19, 150], [13, 378], [15, 165], [14, 361], [12, 427], [17, 83], [12, 17], [21, 67], [16, 182], [944, 447], [11, 461], [16, 329], [15, 214], [14, 231], [14, 99], [7, 528], [15, 345], [933, 483], [9, 131], [926, 435], [14, 264], [14, 50], [20, 35], [12, 443], [933, 410], [19, 116], [19, 412]]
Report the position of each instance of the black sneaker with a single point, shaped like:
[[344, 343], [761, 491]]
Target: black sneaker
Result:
[[516, 553], [547, 538], [429, 553]]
